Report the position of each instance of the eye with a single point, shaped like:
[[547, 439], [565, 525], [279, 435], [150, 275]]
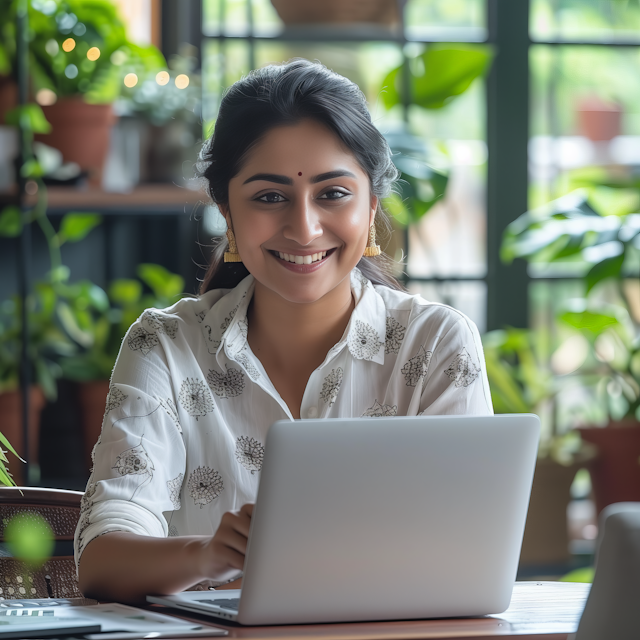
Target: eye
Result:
[[333, 194], [271, 198]]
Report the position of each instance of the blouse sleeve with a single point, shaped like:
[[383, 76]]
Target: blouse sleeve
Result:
[[456, 380], [139, 459]]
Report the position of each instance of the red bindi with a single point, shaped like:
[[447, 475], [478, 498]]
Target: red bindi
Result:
[[299, 173]]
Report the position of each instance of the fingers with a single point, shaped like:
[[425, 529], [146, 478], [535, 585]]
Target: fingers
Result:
[[248, 509]]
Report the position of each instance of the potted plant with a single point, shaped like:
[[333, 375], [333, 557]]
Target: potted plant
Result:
[[80, 59], [47, 343], [521, 382], [606, 247], [309, 12], [97, 322]]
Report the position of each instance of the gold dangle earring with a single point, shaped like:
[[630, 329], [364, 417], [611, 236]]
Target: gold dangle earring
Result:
[[372, 249], [232, 254]]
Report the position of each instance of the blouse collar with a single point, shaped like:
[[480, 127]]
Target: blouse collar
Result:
[[364, 336]]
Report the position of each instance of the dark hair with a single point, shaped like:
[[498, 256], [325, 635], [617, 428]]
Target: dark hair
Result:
[[284, 94]]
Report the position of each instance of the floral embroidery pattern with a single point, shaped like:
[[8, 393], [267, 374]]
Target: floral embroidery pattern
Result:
[[226, 385], [205, 485], [134, 461], [85, 521], [227, 321], [249, 453], [394, 335], [331, 386], [115, 398], [142, 340], [214, 343], [174, 487], [200, 315], [243, 359], [86, 502], [416, 369], [173, 531], [462, 370], [172, 411], [364, 343], [160, 324], [380, 410], [195, 397]]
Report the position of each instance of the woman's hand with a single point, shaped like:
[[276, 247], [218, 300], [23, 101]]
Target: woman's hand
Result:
[[228, 546]]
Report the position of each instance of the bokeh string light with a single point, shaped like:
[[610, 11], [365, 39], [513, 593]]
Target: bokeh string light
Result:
[[130, 80], [182, 81], [162, 78]]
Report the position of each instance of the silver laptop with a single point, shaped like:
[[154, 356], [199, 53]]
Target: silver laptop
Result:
[[383, 519]]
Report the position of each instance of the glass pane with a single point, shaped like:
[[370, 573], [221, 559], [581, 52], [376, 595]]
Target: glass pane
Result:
[[598, 20], [450, 240], [234, 17], [468, 297], [587, 391], [585, 126], [445, 20], [442, 20]]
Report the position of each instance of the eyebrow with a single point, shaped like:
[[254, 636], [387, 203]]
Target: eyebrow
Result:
[[278, 179], [269, 177]]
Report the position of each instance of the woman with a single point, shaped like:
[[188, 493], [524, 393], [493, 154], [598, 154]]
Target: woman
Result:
[[292, 323]]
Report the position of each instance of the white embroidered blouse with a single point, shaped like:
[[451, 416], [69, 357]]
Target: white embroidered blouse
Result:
[[189, 404]]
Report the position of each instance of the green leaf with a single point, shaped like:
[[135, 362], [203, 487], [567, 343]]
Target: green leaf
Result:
[[5, 443], [31, 169], [125, 292], [76, 226], [10, 222], [72, 326], [162, 282], [447, 72], [30, 117], [5, 478], [608, 268], [46, 380], [589, 321]]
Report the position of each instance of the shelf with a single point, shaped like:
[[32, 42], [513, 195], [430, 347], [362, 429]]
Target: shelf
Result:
[[146, 199]]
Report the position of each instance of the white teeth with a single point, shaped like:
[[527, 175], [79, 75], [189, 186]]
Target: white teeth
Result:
[[309, 259]]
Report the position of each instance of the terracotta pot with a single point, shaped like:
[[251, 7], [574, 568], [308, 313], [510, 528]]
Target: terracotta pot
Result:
[[615, 471], [546, 536], [296, 12], [11, 428], [599, 120], [8, 96], [81, 132], [92, 396]]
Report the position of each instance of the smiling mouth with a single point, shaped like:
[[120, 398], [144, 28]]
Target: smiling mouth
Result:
[[308, 259]]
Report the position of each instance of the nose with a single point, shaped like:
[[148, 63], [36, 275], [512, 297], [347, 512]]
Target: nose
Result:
[[302, 223]]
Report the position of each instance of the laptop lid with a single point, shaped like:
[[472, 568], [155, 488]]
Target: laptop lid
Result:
[[388, 518]]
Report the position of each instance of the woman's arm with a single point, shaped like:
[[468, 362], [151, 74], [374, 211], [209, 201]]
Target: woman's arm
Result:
[[126, 567]]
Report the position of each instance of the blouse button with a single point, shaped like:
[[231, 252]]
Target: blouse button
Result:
[[312, 412]]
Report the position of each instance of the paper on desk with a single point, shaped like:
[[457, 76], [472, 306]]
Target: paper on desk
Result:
[[122, 621]]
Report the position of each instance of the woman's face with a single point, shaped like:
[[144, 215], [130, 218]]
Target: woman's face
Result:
[[300, 209]]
